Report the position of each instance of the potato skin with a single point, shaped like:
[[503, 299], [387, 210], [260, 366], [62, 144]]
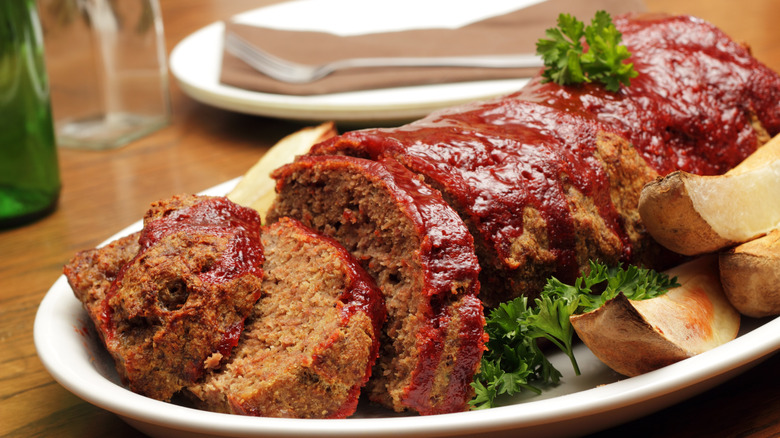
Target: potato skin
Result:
[[750, 274], [634, 337], [636, 348], [669, 216]]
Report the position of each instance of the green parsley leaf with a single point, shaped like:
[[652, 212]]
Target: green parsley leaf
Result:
[[567, 62], [514, 362]]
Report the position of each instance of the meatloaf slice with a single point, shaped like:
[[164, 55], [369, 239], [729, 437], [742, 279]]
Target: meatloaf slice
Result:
[[172, 303], [312, 339], [422, 257]]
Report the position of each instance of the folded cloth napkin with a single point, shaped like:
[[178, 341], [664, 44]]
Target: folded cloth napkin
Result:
[[512, 33]]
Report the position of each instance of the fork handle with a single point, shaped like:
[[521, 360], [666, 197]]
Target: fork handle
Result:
[[492, 61]]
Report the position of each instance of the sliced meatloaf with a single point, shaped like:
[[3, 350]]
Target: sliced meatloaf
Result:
[[422, 257], [170, 302], [310, 343], [542, 190], [549, 177]]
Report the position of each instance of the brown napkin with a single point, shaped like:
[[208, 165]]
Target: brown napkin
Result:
[[512, 33]]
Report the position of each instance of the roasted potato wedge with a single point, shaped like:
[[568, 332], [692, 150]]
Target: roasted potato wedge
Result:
[[634, 337], [694, 214], [750, 274]]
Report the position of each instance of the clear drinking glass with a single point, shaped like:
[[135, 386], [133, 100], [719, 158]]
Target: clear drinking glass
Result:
[[108, 70], [29, 172]]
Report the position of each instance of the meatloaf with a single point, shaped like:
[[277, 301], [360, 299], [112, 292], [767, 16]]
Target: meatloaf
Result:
[[170, 302], [311, 340], [549, 177], [422, 257], [542, 190]]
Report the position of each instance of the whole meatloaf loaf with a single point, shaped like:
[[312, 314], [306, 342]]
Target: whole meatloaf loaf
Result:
[[549, 177], [311, 340], [170, 302], [422, 257]]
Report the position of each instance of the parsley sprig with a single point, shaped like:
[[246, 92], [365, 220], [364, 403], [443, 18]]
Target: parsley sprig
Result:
[[514, 362], [567, 62]]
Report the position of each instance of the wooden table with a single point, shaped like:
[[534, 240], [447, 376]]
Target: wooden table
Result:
[[105, 191]]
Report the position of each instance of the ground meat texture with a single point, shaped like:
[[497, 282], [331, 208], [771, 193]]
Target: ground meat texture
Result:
[[177, 307], [422, 257], [312, 339], [91, 272]]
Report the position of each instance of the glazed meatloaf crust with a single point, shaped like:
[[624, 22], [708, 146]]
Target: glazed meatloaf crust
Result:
[[549, 177], [311, 340], [701, 102], [422, 257], [170, 302]]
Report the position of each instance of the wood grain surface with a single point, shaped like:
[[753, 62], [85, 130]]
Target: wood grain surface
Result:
[[105, 191]]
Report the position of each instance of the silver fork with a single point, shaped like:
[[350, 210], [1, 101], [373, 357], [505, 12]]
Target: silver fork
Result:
[[293, 72]]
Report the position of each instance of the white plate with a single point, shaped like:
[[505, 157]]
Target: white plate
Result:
[[597, 399], [196, 62]]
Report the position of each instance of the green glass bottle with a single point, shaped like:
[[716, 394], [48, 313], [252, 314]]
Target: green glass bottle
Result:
[[29, 173]]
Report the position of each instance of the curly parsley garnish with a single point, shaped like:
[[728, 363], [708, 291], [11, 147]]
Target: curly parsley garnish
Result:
[[514, 362], [566, 61]]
